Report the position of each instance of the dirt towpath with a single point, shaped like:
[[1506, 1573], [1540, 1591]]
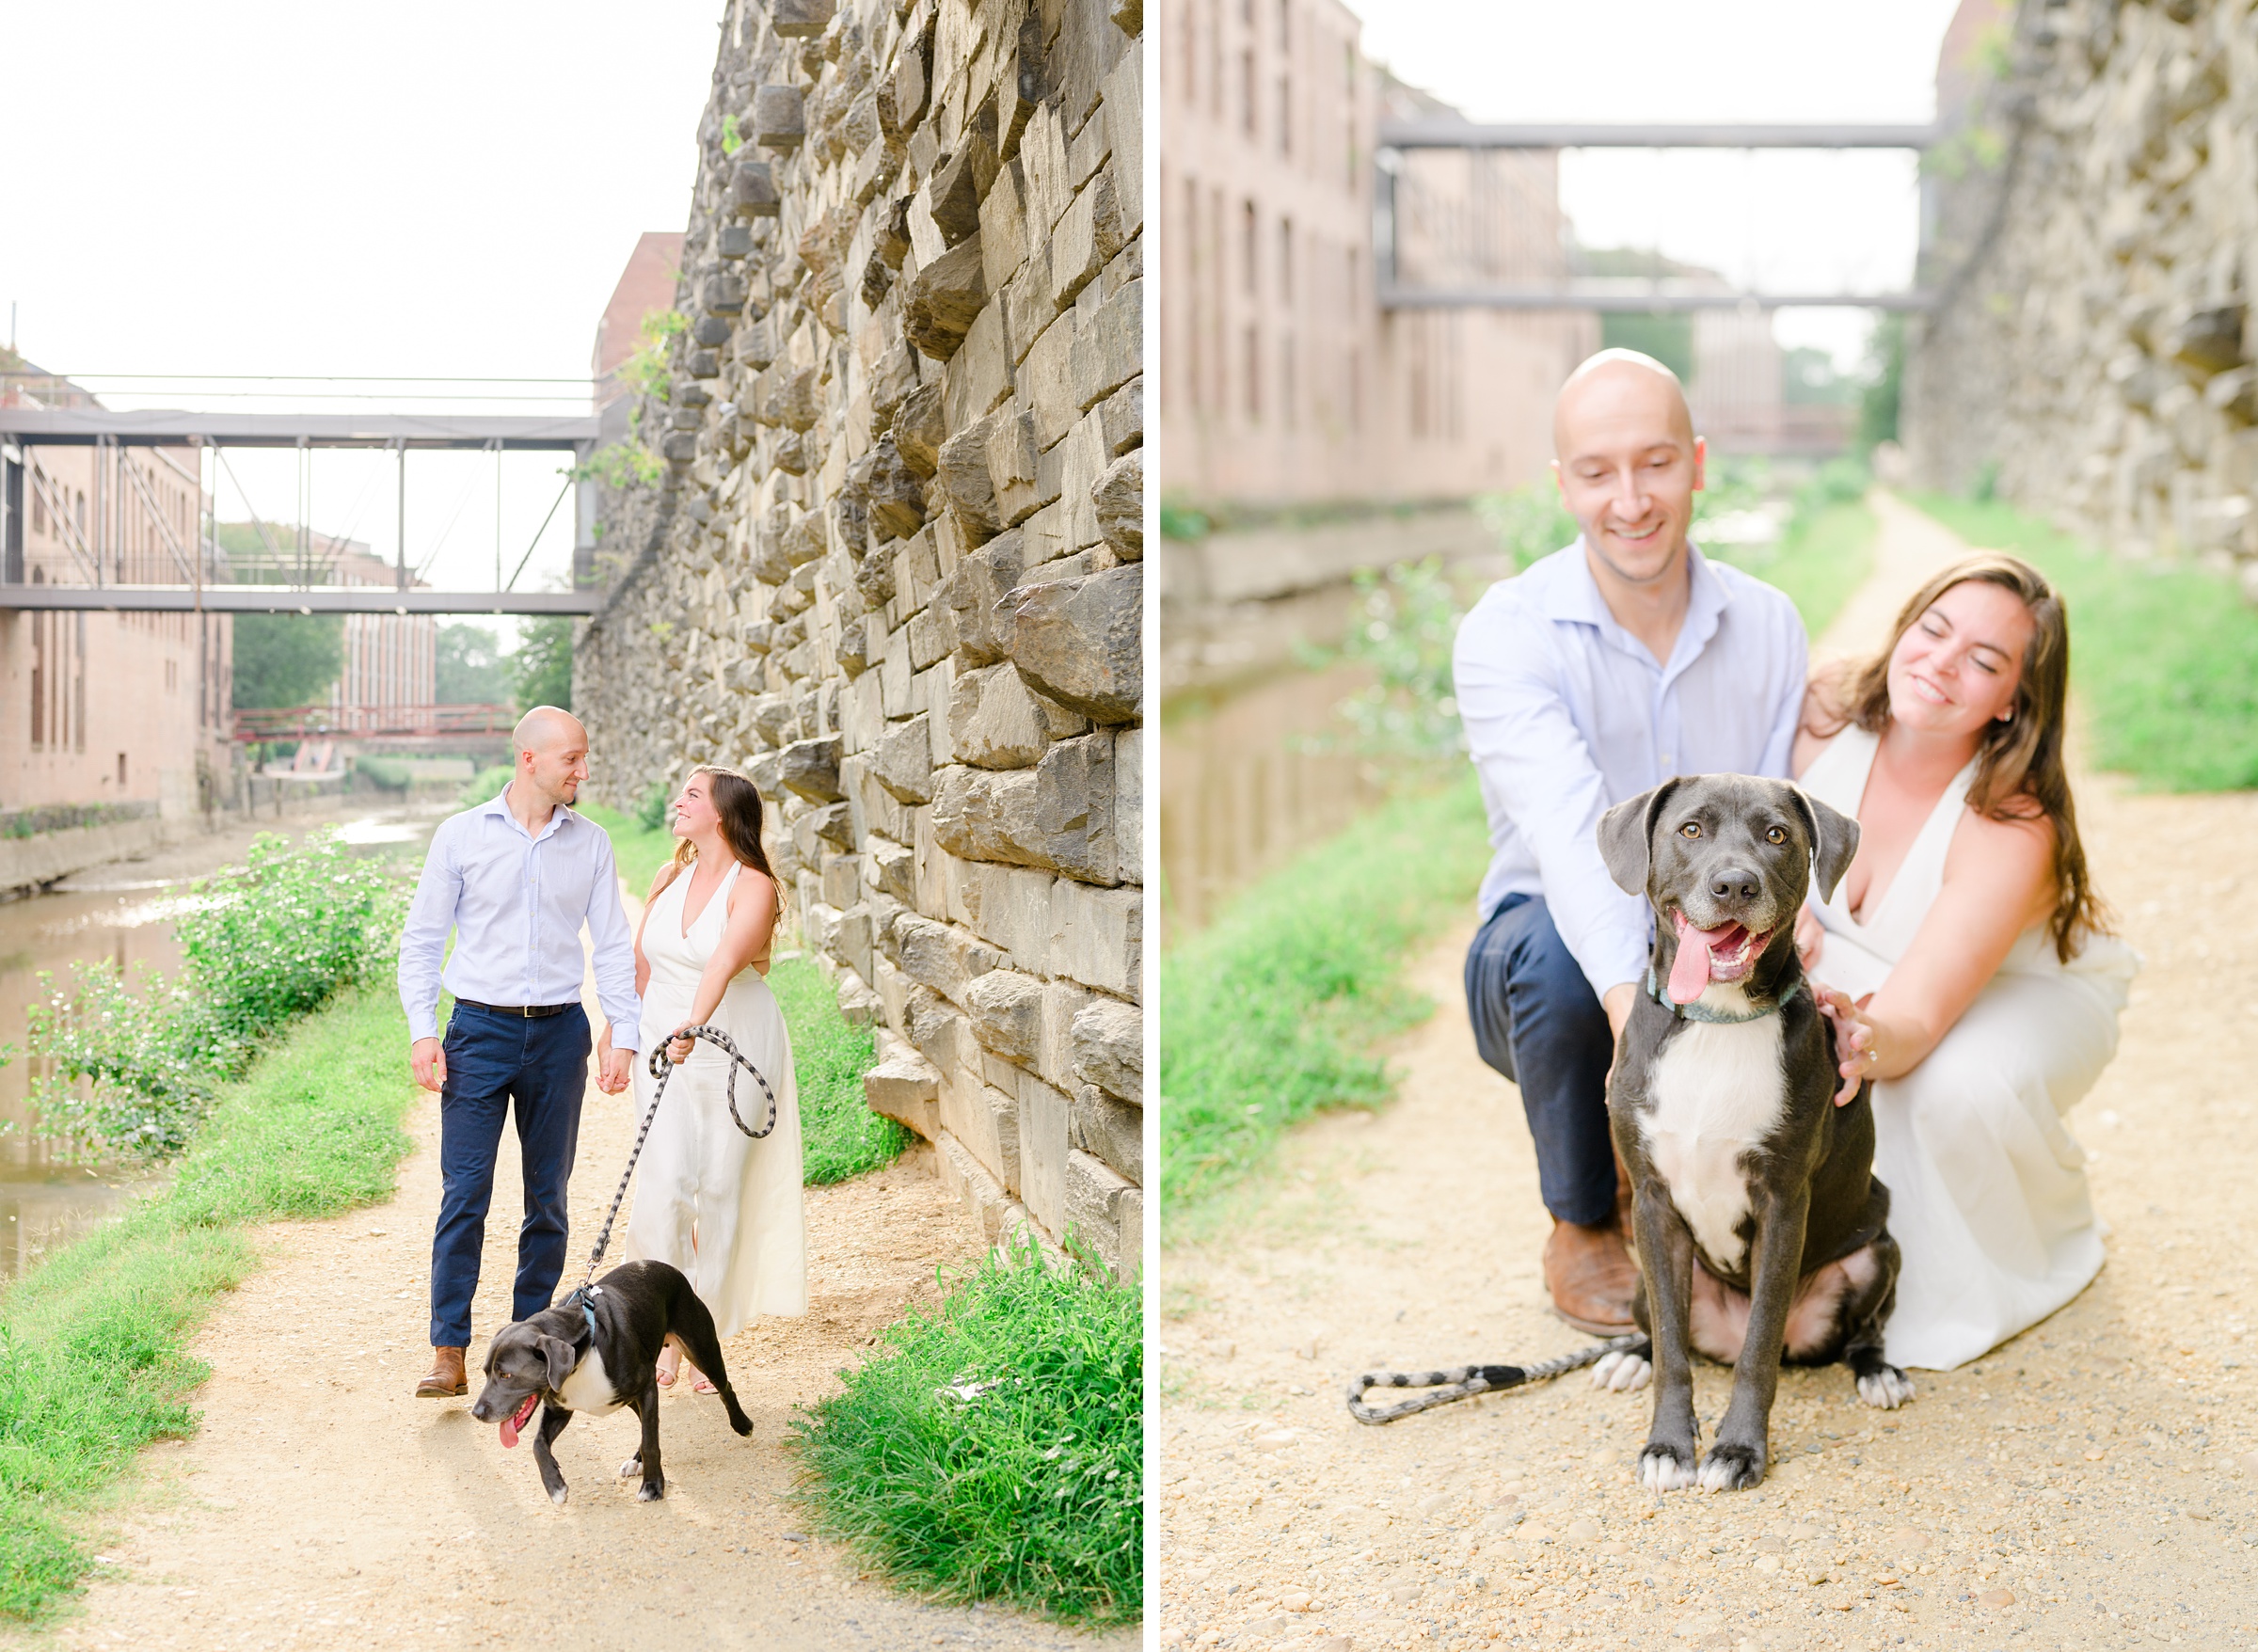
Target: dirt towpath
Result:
[[321, 1505], [2091, 1483]]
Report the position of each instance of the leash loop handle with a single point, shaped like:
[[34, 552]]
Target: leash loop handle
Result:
[[1462, 1382], [661, 1068]]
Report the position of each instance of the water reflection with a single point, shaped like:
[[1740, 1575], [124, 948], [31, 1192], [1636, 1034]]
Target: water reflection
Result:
[[124, 912], [1243, 790]]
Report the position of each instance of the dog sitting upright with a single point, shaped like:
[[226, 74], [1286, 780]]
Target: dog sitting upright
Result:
[[595, 1354], [1759, 1224]]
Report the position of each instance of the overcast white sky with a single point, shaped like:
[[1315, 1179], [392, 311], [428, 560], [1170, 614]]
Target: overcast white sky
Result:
[[1785, 219], [403, 188]]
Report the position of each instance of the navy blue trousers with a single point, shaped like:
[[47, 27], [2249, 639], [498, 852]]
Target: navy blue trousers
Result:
[[1538, 1021], [494, 1062]]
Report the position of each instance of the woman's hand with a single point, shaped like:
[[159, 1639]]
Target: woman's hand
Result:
[[679, 1047], [1810, 937], [1854, 1036]]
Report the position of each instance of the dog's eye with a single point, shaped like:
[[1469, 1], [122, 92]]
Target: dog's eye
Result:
[[1690, 828], [1778, 835]]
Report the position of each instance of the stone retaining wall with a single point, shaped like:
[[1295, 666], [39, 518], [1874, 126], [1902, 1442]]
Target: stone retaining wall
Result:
[[2095, 234], [894, 565]]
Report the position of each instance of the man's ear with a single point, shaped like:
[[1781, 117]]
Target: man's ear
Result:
[[1833, 841], [560, 1361], [1627, 836]]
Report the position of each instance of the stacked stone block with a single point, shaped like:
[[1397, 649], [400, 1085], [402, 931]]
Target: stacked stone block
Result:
[[894, 565], [2095, 236]]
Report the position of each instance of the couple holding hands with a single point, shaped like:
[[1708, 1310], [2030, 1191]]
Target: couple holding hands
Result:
[[515, 879], [1964, 958]]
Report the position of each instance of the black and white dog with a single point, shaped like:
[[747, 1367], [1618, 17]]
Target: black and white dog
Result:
[[1759, 1224], [596, 1352]]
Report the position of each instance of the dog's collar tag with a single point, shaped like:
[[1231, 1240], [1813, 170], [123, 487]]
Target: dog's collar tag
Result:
[[1700, 1012]]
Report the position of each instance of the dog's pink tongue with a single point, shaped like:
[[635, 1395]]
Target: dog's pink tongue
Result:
[[512, 1423], [1690, 973]]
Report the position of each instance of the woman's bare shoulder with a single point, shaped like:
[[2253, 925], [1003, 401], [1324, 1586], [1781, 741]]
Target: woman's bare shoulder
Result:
[[2015, 848]]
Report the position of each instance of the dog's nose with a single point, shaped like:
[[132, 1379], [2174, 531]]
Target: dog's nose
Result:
[[1733, 884]]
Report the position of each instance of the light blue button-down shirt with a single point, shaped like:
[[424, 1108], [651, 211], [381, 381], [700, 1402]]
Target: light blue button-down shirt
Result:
[[516, 904], [1566, 714]]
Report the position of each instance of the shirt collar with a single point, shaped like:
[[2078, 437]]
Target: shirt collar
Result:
[[1574, 596], [499, 804]]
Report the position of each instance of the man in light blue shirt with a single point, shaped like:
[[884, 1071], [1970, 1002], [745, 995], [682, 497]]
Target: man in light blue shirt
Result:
[[1602, 671], [514, 880]]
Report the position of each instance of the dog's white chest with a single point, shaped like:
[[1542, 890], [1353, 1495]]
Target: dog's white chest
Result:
[[588, 1390], [1717, 1092]]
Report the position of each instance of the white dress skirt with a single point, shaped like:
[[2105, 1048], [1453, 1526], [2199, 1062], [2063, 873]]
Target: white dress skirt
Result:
[[1988, 1197], [721, 1207]]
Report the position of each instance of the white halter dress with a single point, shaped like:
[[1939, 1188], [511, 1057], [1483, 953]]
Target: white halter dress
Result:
[[1988, 1197], [720, 1206]]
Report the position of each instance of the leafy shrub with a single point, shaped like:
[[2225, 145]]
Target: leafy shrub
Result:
[[136, 1066], [840, 1135], [485, 787], [1400, 626], [651, 813], [388, 773], [1528, 523], [993, 1448]]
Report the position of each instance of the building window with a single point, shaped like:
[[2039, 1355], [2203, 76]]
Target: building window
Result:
[[121, 770], [1252, 120], [1285, 259], [1285, 381], [39, 513], [1254, 375], [1285, 114], [39, 681], [1191, 53], [1248, 249]]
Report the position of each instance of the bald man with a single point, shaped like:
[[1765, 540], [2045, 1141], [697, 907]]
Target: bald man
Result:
[[1602, 671], [514, 879]]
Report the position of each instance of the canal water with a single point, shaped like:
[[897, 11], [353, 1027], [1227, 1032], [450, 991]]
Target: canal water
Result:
[[123, 912]]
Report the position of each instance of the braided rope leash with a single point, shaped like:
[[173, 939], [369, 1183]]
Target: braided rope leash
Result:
[[1462, 1382], [662, 1069]]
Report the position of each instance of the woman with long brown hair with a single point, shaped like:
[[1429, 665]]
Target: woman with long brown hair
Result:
[[721, 1207], [1965, 956]]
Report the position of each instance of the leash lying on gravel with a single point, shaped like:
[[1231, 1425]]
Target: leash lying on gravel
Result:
[[1462, 1382], [662, 1069]]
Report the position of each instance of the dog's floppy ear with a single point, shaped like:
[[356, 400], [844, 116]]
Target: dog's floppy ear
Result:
[[1627, 836], [560, 1359], [1833, 841]]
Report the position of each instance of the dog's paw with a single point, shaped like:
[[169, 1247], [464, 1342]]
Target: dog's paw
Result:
[[632, 1466], [1886, 1388], [558, 1493], [1663, 1467], [650, 1491], [1624, 1371], [1731, 1468]]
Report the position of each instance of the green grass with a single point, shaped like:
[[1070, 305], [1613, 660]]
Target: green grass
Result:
[[94, 1361], [840, 1135], [1823, 557], [2163, 657], [1278, 1008], [1031, 1492]]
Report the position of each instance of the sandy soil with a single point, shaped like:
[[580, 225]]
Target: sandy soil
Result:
[[2093, 1482], [321, 1505]]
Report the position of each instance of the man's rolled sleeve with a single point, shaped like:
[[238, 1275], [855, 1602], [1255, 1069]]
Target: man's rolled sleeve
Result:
[[1534, 761], [614, 945], [423, 936]]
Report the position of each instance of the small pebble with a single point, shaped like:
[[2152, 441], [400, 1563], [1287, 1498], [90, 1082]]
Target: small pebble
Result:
[[1995, 1600], [1583, 1531]]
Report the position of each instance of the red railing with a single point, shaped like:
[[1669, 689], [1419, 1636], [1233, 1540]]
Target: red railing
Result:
[[298, 723]]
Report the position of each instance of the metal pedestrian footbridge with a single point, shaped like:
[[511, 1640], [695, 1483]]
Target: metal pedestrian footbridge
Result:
[[1619, 294], [98, 554]]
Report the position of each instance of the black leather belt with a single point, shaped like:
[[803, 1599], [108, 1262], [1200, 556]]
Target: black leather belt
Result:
[[530, 1011]]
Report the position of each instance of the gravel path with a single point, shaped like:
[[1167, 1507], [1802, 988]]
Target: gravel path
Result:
[[321, 1505], [2093, 1483]]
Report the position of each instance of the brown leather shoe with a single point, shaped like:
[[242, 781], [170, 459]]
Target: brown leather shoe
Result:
[[447, 1379], [1591, 1277]]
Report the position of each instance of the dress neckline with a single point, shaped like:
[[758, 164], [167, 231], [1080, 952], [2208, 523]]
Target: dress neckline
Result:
[[721, 892], [1947, 809]]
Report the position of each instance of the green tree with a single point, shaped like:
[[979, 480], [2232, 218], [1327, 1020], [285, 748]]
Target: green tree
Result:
[[1666, 334], [287, 658], [470, 668], [541, 667]]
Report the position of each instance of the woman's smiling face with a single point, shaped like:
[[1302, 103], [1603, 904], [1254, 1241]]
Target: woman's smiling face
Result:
[[1958, 666], [693, 809]]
